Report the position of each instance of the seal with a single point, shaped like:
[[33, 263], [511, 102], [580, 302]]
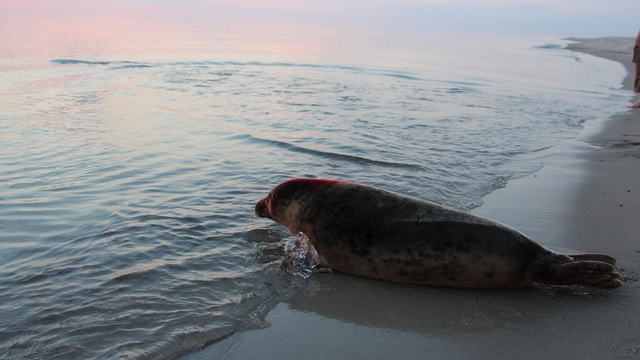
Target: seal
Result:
[[375, 233]]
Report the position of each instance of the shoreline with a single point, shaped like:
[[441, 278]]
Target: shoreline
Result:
[[581, 201], [614, 48], [612, 192]]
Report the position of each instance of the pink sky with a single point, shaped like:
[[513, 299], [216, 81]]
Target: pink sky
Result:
[[567, 17]]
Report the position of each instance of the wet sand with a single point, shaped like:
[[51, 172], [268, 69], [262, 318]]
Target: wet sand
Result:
[[586, 200]]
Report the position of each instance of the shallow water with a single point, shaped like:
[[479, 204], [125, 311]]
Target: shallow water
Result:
[[132, 156]]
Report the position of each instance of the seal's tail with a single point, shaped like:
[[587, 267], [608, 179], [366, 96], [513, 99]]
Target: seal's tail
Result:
[[584, 269]]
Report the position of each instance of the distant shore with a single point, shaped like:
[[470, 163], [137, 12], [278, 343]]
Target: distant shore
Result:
[[584, 202], [613, 48]]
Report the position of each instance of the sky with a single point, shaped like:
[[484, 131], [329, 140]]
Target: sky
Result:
[[588, 18]]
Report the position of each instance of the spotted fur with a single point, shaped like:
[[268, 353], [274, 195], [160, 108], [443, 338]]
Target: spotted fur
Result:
[[376, 233]]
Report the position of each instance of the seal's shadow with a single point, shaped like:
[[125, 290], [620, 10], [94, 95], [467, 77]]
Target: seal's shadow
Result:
[[438, 311]]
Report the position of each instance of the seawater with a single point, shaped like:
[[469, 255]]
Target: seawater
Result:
[[132, 155]]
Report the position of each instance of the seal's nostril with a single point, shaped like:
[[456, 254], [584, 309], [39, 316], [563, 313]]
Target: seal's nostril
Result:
[[261, 209]]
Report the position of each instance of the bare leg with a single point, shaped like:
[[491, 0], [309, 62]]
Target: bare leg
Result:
[[636, 79]]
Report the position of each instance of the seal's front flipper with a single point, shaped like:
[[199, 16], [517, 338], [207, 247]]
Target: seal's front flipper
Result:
[[588, 269], [322, 270]]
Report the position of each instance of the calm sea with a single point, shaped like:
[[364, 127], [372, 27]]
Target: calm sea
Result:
[[132, 155]]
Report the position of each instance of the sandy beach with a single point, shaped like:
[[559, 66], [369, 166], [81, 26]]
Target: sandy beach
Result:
[[586, 200]]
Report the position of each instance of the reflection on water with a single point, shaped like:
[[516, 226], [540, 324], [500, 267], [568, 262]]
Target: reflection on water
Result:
[[133, 155]]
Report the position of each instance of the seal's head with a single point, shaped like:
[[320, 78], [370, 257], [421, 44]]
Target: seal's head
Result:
[[286, 202]]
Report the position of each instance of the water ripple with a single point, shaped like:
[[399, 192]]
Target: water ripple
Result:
[[118, 64], [127, 187], [398, 74], [325, 154]]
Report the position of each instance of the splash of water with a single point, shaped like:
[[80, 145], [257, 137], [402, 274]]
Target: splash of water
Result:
[[302, 257]]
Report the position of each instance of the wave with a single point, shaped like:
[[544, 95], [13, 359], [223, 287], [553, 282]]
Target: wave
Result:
[[327, 154], [118, 64], [354, 69], [549, 46]]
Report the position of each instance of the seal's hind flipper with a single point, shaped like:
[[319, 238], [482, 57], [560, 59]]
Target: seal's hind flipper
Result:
[[588, 269], [594, 257]]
